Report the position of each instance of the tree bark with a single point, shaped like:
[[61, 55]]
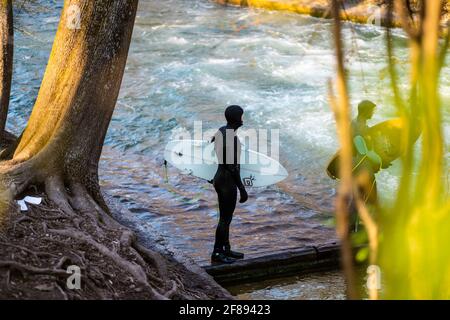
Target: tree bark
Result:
[[61, 145], [6, 60]]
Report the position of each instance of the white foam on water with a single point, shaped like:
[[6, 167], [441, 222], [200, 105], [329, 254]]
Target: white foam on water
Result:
[[314, 70], [177, 40], [215, 61]]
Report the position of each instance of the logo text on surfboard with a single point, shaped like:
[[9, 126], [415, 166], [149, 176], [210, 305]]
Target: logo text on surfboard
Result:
[[248, 181]]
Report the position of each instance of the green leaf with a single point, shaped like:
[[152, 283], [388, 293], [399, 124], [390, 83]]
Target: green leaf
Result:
[[330, 222], [362, 254], [359, 238]]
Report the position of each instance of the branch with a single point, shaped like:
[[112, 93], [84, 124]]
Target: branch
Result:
[[31, 269], [342, 114], [403, 8], [391, 64], [372, 232]]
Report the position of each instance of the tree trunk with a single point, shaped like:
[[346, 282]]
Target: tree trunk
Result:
[[6, 60], [61, 145]]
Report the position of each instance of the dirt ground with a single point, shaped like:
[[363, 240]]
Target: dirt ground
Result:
[[38, 246]]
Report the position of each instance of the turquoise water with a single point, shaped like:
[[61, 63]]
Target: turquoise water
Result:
[[189, 59]]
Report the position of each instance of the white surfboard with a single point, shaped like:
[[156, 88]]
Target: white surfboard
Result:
[[198, 158]]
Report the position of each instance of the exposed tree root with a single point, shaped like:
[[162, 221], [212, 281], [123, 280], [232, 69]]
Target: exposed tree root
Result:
[[27, 268], [37, 247], [35, 254], [56, 192], [135, 270], [153, 258]]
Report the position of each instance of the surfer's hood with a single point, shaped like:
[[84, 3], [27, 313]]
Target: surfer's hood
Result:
[[233, 114]]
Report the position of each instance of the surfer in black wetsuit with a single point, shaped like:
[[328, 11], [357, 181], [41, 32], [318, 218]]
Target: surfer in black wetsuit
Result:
[[227, 182], [364, 172]]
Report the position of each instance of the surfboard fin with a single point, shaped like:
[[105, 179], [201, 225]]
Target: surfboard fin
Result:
[[166, 175]]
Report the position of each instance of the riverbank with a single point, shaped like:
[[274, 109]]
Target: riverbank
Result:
[[358, 11], [39, 246]]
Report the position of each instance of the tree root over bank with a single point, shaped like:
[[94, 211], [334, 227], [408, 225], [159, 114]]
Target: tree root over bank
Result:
[[37, 247]]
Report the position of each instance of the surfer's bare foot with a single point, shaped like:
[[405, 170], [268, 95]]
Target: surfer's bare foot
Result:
[[220, 257]]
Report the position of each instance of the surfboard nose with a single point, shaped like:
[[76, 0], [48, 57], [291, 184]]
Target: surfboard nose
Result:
[[283, 171]]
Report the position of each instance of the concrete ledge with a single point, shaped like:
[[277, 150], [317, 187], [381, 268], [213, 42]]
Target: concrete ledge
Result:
[[280, 264]]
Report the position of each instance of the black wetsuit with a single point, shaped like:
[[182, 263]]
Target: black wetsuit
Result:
[[360, 128], [366, 182], [227, 180]]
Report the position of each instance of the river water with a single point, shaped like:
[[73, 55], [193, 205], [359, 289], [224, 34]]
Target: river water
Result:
[[188, 60]]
